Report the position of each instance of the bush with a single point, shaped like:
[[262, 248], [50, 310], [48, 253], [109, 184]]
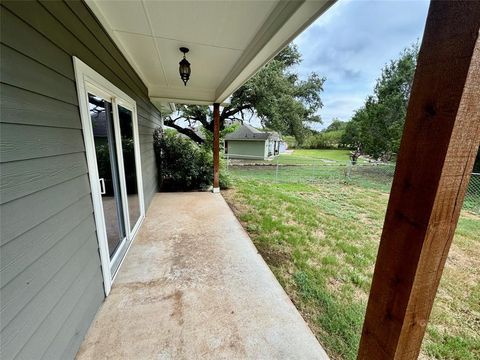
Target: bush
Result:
[[182, 164], [324, 140]]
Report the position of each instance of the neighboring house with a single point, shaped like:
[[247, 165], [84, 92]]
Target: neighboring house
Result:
[[82, 86], [250, 143]]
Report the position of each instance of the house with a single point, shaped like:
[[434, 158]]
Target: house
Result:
[[83, 86], [248, 142], [277, 144]]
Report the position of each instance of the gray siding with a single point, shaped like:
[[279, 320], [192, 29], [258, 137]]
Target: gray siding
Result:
[[247, 149], [50, 275]]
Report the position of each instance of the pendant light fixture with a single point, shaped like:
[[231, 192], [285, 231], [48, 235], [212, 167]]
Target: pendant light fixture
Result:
[[184, 67]]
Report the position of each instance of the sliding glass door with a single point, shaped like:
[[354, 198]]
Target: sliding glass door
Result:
[[116, 153], [110, 132], [130, 166], [109, 177]]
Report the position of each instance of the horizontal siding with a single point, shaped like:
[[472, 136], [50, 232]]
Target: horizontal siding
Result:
[[47, 302], [27, 248], [23, 214], [86, 284], [20, 142], [67, 37], [21, 178], [243, 148], [34, 45], [23, 72], [32, 279], [69, 338], [50, 274], [25, 107]]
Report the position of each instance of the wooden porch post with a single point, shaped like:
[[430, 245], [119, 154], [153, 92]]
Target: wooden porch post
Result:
[[216, 147], [439, 144]]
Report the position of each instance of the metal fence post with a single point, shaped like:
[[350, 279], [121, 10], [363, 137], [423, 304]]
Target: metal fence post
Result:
[[276, 172], [348, 170], [313, 170]]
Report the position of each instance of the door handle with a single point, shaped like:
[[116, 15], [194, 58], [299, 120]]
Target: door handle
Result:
[[102, 186]]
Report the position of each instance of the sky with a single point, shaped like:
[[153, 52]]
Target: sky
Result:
[[349, 45]]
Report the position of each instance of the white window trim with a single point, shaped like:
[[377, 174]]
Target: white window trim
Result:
[[88, 80]]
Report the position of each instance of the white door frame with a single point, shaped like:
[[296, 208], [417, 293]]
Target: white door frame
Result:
[[89, 81]]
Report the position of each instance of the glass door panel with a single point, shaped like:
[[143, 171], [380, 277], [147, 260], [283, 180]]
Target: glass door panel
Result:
[[130, 166], [106, 154]]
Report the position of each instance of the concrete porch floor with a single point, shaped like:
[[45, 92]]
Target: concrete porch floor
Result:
[[193, 286]]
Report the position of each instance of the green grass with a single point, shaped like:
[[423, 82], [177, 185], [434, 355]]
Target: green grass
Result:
[[309, 156], [319, 157], [320, 239], [446, 346], [375, 177], [333, 155]]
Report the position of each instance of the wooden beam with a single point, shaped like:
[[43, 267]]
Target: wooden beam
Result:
[[439, 144], [216, 147]]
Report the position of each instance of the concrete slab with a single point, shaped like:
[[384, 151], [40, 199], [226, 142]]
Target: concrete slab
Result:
[[193, 286]]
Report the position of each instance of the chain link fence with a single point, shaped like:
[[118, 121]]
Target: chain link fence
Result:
[[309, 170], [472, 196]]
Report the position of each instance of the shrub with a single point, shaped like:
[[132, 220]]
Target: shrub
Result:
[[182, 164], [325, 140]]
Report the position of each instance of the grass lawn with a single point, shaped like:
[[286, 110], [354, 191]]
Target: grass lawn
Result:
[[320, 239], [323, 157], [334, 155], [309, 156]]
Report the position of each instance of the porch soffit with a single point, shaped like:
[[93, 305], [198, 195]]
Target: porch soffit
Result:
[[228, 41]]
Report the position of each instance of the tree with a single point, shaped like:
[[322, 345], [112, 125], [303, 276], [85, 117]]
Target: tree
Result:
[[329, 138], [336, 125], [276, 95], [377, 127], [351, 137]]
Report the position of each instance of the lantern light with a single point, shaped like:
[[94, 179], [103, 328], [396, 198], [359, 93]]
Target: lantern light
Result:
[[184, 66]]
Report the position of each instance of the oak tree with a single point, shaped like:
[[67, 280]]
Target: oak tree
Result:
[[275, 95]]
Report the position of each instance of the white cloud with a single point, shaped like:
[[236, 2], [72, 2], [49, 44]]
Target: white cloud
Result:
[[352, 42]]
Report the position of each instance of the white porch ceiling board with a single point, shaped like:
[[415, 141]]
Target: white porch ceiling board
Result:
[[242, 22], [224, 24], [228, 40], [126, 16], [176, 20], [209, 64], [141, 50]]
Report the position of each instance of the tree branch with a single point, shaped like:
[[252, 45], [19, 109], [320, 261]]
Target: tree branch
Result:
[[185, 131], [203, 120], [230, 112]]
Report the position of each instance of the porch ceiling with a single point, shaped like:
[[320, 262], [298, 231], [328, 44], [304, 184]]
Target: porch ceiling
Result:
[[228, 41]]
